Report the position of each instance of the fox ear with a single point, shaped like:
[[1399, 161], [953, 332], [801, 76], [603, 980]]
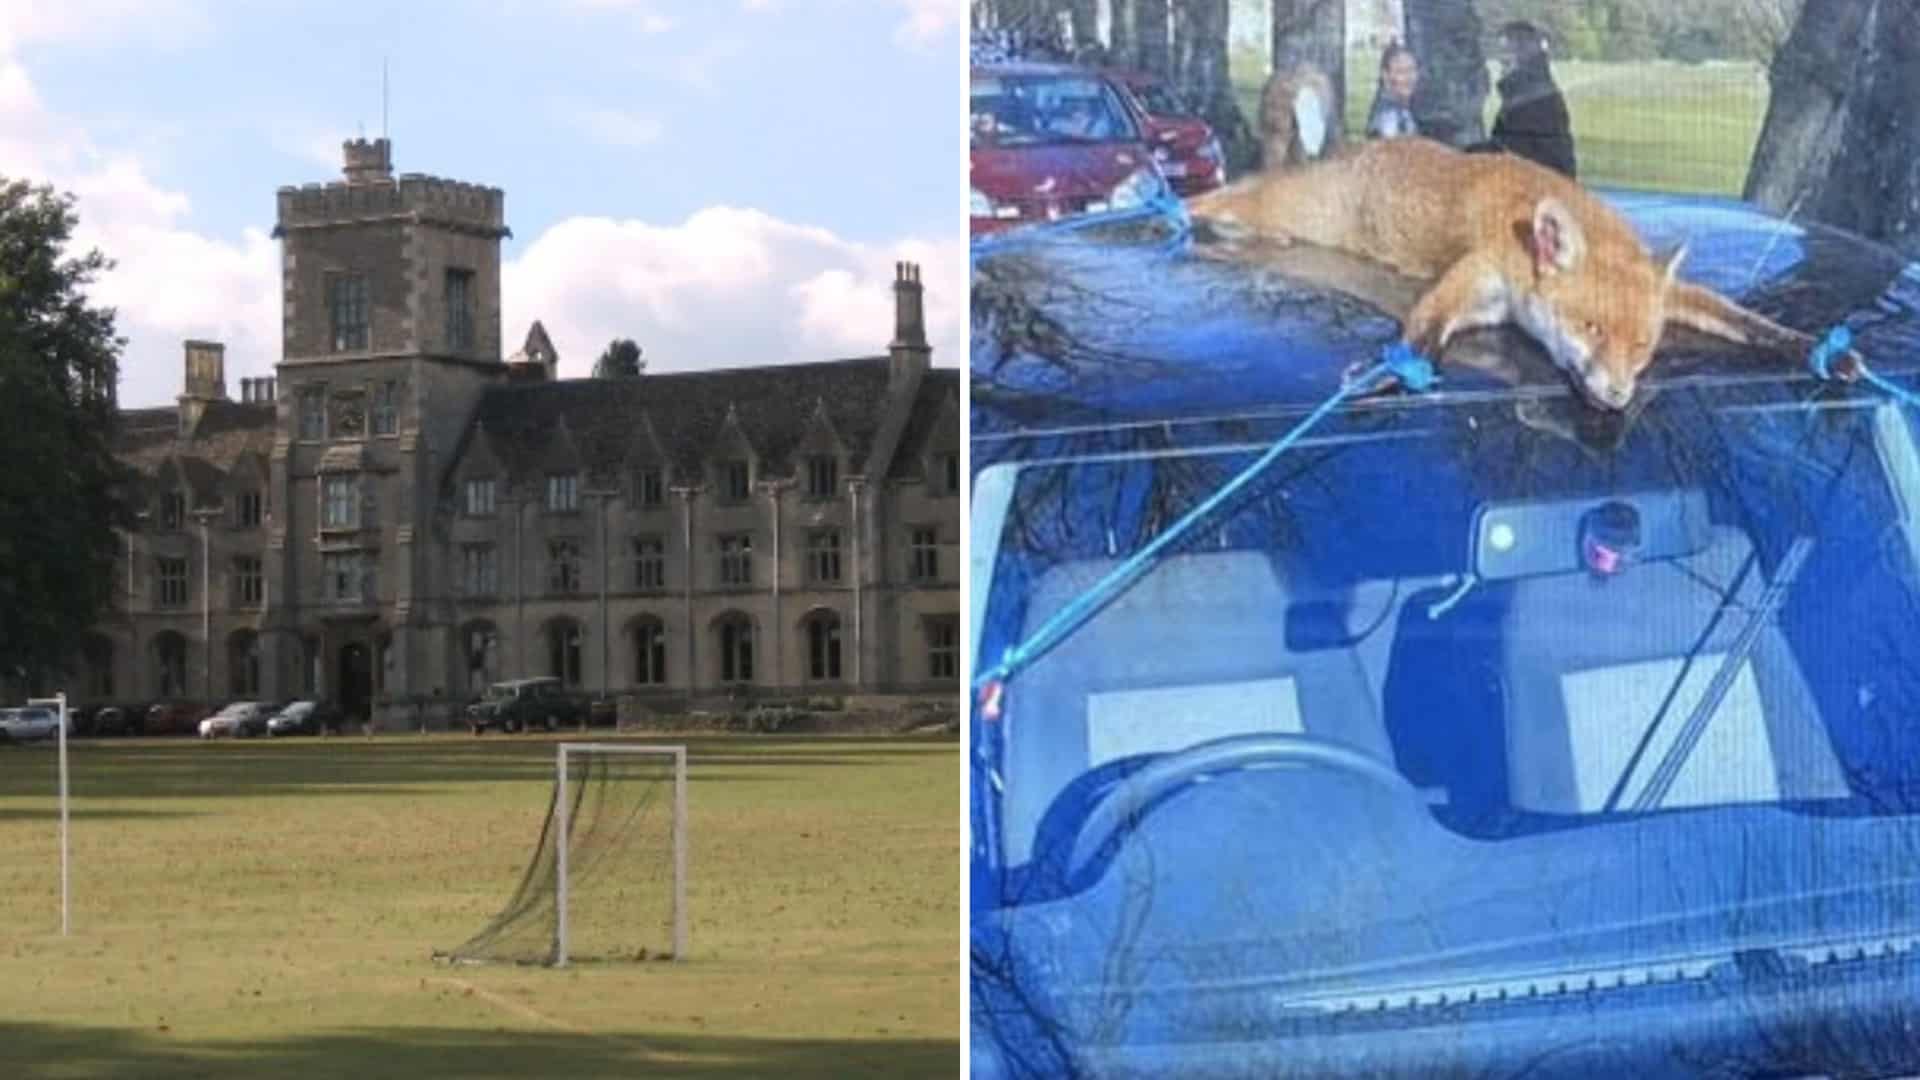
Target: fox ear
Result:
[[1670, 265], [1558, 243]]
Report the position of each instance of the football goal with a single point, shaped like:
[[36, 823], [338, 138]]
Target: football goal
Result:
[[608, 881]]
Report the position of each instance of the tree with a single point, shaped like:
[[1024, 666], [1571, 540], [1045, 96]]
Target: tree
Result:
[[620, 360], [1203, 76], [62, 492], [1152, 47], [1450, 102], [1841, 141]]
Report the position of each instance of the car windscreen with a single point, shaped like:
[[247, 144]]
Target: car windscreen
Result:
[[1419, 584], [1159, 99], [1035, 110]]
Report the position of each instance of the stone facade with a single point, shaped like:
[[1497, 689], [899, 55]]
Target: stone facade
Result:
[[402, 515]]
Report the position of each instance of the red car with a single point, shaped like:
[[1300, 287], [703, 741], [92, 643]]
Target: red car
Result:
[[1050, 141], [1188, 151]]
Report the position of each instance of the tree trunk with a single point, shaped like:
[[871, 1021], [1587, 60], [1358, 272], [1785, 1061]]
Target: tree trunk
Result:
[[1814, 78], [1086, 25], [1120, 40], [1450, 103], [1315, 32], [1151, 52], [1872, 185], [1204, 81]]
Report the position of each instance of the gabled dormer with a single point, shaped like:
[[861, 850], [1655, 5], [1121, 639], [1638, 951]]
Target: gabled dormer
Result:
[[646, 469], [560, 472], [820, 459], [244, 492], [170, 497], [940, 452], [480, 477], [733, 462]]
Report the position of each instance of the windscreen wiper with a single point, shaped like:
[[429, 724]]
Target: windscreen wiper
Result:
[[1668, 771]]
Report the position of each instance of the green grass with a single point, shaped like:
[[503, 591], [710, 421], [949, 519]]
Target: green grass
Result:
[[263, 908], [1669, 126]]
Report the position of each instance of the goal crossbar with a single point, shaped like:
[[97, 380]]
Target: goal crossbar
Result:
[[679, 756]]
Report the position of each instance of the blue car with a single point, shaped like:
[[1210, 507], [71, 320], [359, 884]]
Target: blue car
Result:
[[1477, 732]]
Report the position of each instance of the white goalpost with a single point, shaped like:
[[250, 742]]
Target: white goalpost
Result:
[[608, 876], [59, 702], [562, 808]]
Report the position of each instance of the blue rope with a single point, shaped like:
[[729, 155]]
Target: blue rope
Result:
[[1835, 343], [1398, 360]]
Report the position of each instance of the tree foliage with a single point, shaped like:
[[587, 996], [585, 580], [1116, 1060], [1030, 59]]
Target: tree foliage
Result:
[[62, 492], [619, 360]]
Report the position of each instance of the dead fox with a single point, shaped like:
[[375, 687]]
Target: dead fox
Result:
[[1498, 239]]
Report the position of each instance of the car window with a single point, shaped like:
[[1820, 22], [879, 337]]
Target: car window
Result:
[[1049, 109]]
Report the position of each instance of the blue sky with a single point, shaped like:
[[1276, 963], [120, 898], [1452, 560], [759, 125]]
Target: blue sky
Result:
[[726, 182]]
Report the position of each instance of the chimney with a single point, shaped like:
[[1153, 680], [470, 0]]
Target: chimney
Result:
[[368, 162], [909, 316], [909, 350], [206, 381]]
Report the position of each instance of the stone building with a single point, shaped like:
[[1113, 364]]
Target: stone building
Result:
[[402, 515]]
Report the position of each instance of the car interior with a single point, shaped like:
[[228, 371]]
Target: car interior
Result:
[[1516, 696]]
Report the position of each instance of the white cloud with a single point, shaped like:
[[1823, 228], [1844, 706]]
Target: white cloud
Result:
[[154, 23], [616, 127], [726, 287], [169, 283], [927, 19], [647, 15]]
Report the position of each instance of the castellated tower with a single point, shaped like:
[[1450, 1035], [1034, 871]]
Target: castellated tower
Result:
[[390, 332]]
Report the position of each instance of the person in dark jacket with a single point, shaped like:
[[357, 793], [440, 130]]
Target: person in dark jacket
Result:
[[1532, 121]]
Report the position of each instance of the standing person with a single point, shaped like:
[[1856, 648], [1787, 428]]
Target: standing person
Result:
[[1392, 113], [1533, 121]]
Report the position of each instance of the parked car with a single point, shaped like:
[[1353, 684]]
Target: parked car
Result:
[[1186, 146], [173, 718], [520, 704], [1483, 733], [306, 718], [240, 718], [1051, 141], [31, 722]]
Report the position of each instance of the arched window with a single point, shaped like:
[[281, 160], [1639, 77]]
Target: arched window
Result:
[[563, 651], [823, 645], [735, 632], [480, 653], [169, 665], [649, 652], [243, 663]]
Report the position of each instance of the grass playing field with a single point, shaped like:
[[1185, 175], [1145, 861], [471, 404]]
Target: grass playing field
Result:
[[268, 908], [1668, 126]]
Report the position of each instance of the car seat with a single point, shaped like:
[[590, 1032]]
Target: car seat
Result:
[[1195, 650], [1588, 662]]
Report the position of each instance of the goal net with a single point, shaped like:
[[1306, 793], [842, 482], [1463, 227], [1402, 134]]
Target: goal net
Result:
[[608, 879]]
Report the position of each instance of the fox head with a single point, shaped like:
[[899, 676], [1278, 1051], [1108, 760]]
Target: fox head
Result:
[[1599, 314]]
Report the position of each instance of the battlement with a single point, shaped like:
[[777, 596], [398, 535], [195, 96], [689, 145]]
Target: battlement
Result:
[[430, 198]]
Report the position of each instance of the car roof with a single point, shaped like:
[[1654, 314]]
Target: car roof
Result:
[[1130, 332], [1017, 68]]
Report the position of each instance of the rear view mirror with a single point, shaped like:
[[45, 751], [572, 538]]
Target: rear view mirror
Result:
[[1534, 537]]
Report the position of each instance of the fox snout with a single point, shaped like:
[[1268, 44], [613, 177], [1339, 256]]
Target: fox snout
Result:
[[1606, 389]]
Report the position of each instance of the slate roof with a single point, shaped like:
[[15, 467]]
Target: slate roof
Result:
[[228, 431], [937, 389], [772, 407]]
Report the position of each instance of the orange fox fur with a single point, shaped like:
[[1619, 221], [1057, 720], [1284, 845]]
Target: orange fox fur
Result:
[[1497, 239]]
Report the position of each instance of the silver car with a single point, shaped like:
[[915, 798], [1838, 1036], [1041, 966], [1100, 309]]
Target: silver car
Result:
[[31, 722]]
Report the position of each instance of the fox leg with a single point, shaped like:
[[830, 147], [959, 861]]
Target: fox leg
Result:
[[1710, 313], [1470, 295]]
